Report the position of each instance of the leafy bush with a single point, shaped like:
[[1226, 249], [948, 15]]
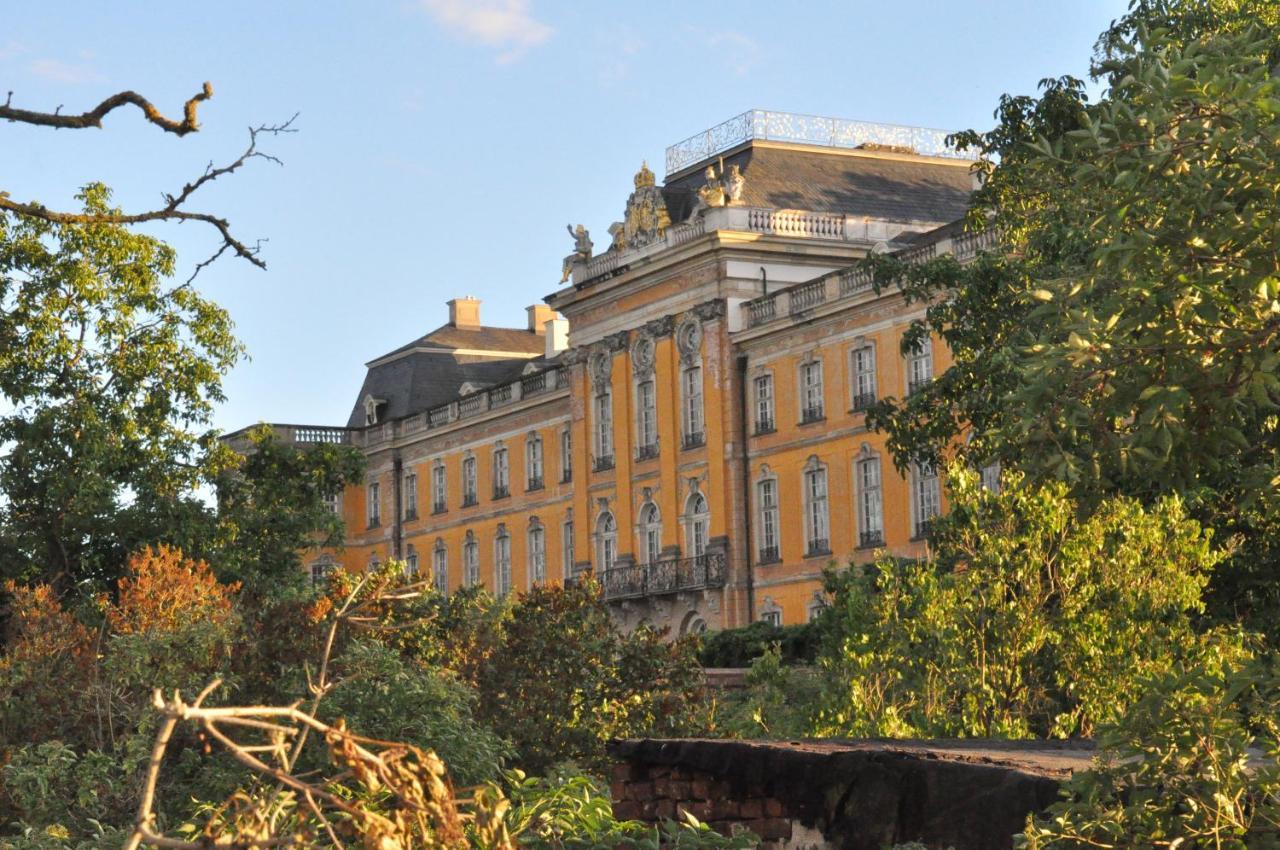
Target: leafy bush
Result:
[[1027, 620], [779, 700], [1193, 764], [739, 647]]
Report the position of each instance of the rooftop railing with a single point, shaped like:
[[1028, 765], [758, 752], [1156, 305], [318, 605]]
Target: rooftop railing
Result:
[[793, 127]]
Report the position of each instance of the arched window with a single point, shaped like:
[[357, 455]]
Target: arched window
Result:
[[651, 533], [470, 561], [537, 551], [502, 562], [606, 541], [697, 520], [440, 567]]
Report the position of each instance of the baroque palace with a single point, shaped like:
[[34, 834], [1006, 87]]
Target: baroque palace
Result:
[[684, 415]]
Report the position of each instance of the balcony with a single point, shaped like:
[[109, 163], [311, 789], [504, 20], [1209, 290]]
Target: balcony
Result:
[[818, 547], [603, 463], [870, 539], [769, 555], [862, 401], [812, 414], [664, 577], [693, 441]]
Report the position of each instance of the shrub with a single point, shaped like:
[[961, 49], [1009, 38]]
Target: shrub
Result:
[[739, 647]]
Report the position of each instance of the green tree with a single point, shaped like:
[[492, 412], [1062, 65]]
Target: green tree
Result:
[[1028, 618], [272, 508], [1125, 335], [109, 373]]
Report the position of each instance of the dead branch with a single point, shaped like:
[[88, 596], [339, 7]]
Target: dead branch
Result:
[[173, 207], [93, 118]]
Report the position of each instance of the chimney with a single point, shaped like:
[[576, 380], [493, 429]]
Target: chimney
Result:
[[539, 315], [557, 333], [465, 313]]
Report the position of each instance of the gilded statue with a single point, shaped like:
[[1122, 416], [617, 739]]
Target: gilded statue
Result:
[[581, 249]]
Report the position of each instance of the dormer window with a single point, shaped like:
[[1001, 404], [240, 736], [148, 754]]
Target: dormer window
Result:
[[374, 408]]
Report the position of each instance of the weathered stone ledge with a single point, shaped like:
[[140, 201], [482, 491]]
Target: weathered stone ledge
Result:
[[856, 795]]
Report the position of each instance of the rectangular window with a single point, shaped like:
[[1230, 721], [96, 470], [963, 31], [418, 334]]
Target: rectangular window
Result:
[[319, 573], [647, 420], [928, 498], [692, 386], [767, 499], [470, 563], [863, 367], [919, 366], [870, 503], [374, 507], [773, 618], [816, 527], [764, 404], [411, 496], [333, 501], [533, 462], [440, 570], [439, 503], [604, 430], [566, 456], [567, 546], [502, 566], [469, 496], [991, 477], [811, 391], [537, 556], [411, 564], [501, 474]]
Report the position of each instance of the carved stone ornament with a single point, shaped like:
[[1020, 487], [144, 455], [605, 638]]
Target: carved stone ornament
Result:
[[658, 328], [708, 310], [689, 339], [647, 218], [601, 367], [643, 355], [617, 342]]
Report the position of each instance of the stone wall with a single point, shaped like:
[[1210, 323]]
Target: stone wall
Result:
[[854, 795]]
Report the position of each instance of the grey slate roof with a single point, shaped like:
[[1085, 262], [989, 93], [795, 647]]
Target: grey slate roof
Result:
[[831, 181], [417, 380]]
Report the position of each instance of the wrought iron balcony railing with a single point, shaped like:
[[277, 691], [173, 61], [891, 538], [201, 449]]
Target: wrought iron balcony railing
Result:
[[862, 401], [818, 546], [694, 441], [602, 463], [870, 539], [764, 426], [439, 508], [470, 500], [663, 577], [811, 414], [501, 491], [769, 555], [647, 452], [535, 483]]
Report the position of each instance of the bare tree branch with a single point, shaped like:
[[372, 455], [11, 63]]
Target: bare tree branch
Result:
[[172, 209], [93, 118]]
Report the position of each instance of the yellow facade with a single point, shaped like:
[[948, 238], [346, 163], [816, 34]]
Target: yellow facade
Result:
[[697, 505]]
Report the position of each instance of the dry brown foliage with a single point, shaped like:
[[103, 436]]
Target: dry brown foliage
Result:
[[162, 590]]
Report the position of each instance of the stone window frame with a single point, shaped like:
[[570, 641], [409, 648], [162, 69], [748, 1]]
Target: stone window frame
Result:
[[920, 353], [501, 562], [763, 555], [535, 461], [440, 566], [926, 498], [602, 424], [859, 399], [409, 483], [536, 568], [500, 470], [764, 424], [807, 413], [373, 503], [693, 418], [606, 540], [566, 454], [694, 521], [470, 559], [439, 487], [411, 563], [646, 441], [817, 526], [567, 558], [470, 479], [868, 458], [649, 525]]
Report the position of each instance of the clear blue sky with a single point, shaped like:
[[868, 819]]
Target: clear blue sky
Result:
[[445, 144]]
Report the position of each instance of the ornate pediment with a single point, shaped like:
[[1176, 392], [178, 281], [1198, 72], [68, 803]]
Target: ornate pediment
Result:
[[647, 218]]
